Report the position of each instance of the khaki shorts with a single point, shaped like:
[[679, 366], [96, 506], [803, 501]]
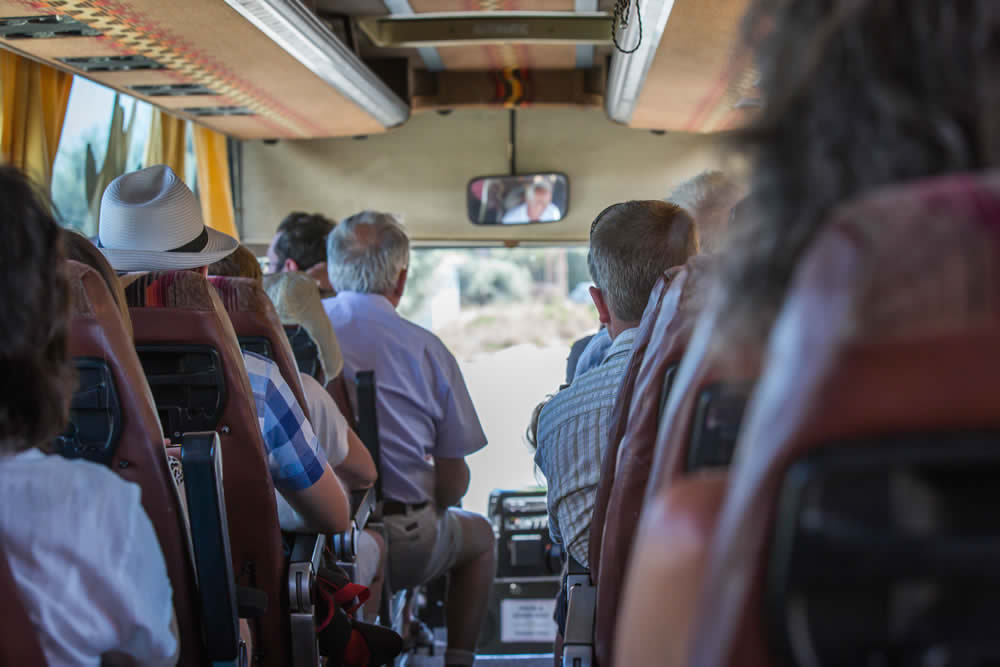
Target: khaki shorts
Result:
[[423, 545], [367, 559]]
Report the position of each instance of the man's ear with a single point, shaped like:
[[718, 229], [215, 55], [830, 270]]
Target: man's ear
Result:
[[401, 282], [603, 312], [290, 265]]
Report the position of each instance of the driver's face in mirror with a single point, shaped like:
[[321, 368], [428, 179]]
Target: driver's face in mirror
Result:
[[540, 197]]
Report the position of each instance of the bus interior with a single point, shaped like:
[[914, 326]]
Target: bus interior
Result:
[[496, 130]]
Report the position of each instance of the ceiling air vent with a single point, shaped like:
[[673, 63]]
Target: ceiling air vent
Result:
[[112, 63], [172, 90], [44, 27], [218, 111]]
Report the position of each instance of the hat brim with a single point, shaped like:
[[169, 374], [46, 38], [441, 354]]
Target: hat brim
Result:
[[219, 246]]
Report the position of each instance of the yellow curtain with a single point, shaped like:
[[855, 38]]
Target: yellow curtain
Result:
[[34, 98], [167, 143], [214, 188]]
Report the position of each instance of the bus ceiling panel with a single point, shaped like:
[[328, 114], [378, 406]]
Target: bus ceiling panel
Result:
[[500, 56], [451, 6], [208, 43], [698, 79], [422, 171], [490, 89], [440, 30]]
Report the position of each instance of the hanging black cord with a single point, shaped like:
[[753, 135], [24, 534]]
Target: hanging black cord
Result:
[[512, 147], [622, 10]]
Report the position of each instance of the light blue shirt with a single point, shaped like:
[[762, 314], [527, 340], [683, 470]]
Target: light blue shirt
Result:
[[594, 353], [424, 408], [572, 440]]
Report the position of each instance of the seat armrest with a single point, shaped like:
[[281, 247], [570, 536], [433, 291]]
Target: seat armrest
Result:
[[201, 458], [578, 639], [362, 506], [307, 555]]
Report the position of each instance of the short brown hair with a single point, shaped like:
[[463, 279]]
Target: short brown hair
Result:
[[37, 381], [241, 264], [81, 249], [631, 245], [302, 239]]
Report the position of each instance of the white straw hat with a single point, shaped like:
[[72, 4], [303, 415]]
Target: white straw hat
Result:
[[151, 221]]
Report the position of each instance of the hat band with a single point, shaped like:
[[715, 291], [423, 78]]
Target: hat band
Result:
[[197, 245]]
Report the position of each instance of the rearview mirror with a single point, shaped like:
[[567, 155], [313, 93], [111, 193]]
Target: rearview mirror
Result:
[[518, 200]]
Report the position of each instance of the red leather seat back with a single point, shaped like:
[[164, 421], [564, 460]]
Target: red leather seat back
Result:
[[19, 643], [665, 331], [97, 331], [181, 307], [889, 328], [648, 328], [253, 316], [681, 502], [673, 541]]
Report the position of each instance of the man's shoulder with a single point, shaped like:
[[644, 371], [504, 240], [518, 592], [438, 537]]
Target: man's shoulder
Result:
[[260, 368], [57, 483], [594, 390]]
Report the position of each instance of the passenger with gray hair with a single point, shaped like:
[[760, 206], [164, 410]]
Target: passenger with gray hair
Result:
[[631, 245], [709, 198], [427, 425]]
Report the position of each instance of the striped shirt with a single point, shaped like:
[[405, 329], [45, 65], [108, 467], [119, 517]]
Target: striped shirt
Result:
[[572, 439], [294, 457]]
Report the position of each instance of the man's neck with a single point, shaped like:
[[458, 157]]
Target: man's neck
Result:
[[392, 298], [616, 327]]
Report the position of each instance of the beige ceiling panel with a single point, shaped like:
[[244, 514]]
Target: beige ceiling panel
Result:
[[495, 57], [205, 42], [421, 171], [695, 80], [421, 6]]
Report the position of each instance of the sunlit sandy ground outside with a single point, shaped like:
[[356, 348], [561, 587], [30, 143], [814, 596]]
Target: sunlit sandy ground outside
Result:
[[506, 386]]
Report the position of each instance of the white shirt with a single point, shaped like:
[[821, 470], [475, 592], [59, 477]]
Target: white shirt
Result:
[[86, 561], [520, 214], [424, 408], [328, 423]]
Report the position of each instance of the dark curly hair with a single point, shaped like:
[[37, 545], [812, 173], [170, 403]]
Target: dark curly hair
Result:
[[37, 380], [859, 94], [302, 239]]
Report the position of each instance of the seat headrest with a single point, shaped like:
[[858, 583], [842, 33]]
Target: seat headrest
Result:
[[887, 336], [168, 289], [297, 301], [700, 270], [240, 295], [930, 265], [80, 277]]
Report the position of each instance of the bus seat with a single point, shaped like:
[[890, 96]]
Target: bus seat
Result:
[[859, 526], [298, 303], [19, 643], [627, 467], [676, 525], [667, 566], [649, 328], [191, 357], [114, 422], [258, 327]]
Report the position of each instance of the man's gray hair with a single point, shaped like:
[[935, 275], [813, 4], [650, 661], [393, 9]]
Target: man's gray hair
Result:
[[709, 198], [631, 245], [366, 253]]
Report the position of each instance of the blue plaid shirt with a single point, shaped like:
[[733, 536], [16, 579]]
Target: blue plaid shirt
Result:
[[294, 457]]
